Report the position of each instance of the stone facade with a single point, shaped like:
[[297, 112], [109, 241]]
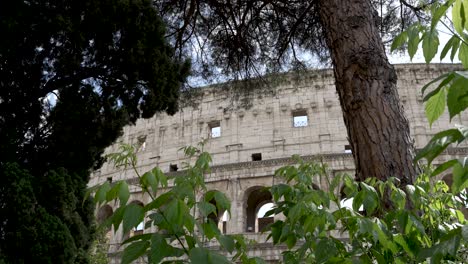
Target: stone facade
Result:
[[252, 135]]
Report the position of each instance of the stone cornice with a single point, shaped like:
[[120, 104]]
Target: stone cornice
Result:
[[289, 160]]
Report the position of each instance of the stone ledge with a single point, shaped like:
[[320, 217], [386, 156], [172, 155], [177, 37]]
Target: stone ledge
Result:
[[288, 161]]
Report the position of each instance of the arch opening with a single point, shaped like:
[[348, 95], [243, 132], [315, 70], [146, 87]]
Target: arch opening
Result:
[[257, 198]]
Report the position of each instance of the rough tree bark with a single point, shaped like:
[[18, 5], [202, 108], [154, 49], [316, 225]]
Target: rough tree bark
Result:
[[366, 84]]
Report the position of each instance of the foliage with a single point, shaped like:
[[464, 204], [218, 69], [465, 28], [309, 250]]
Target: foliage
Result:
[[72, 73], [181, 209], [98, 251], [250, 38], [447, 91], [385, 224], [423, 221]]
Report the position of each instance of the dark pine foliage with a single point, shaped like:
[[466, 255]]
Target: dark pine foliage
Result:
[[72, 74], [247, 38]]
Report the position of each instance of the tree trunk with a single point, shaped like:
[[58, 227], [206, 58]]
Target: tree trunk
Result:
[[366, 84]]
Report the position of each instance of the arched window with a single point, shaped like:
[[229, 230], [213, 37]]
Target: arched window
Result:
[[256, 198], [104, 213]]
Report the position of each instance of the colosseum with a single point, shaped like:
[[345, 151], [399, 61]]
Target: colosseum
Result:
[[252, 132]]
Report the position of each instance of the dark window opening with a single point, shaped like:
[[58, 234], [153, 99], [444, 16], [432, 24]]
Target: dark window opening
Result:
[[256, 156], [215, 129], [300, 119], [173, 167], [347, 149], [109, 179]]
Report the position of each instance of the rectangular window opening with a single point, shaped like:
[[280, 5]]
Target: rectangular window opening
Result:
[[347, 149], [215, 129], [256, 156], [300, 119], [173, 167]]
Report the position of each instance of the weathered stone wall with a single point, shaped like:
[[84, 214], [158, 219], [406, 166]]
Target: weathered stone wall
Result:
[[265, 125]]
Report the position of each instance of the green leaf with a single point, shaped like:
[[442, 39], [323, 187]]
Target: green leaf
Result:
[[351, 186], [132, 216], [463, 54], [227, 242], [296, 212], [117, 217], [159, 201], [101, 193], [291, 240], [464, 232], [124, 193], [210, 229], [413, 40], [416, 223], [149, 180], [358, 200], [457, 97], [378, 256], [216, 258], [189, 222], [456, 45], [365, 226], [160, 176], [457, 18], [399, 41], [143, 237], [400, 240], [460, 175], [399, 198], [448, 46], [325, 250], [199, 256], [435, 106], [443, 167], [386, 242], [442, 84], [439, 143], [371, 198], [439, 12], [222, 202], [443, 76], [279, 190], [134, 251], [160, 249], [256, 260], [175, 212], [465, 13], [113, 192], [206, 208], [430, 45]]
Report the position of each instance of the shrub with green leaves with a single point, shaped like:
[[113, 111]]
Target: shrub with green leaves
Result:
[[181, 210], [385, 224]]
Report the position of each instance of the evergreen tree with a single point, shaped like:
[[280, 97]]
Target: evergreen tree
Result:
[[72, 74]]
